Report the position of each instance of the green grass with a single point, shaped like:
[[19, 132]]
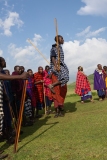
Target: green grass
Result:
[[80, 135]]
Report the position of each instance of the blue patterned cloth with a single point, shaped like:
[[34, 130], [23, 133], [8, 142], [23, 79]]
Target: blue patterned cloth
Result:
[[86, 96], [63, 75]]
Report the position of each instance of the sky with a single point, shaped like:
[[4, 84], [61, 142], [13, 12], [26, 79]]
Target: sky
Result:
[[82, 23]]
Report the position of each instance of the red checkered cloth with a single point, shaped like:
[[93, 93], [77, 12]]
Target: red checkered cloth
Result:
[[82, 83], [60, 93], [39, 87]]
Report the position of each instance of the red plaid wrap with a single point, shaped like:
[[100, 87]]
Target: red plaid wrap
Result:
[[39, 87], [82, 83]]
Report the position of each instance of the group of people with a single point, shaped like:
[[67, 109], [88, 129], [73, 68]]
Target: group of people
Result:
[[83, 88], [43, 87]]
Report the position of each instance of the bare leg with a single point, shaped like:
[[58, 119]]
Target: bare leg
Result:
[[57, 112], [91, 100], [82, 101]]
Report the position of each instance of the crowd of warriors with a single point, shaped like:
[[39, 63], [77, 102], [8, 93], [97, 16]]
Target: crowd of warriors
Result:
[[43, 87], [83, 88], [37, 88]]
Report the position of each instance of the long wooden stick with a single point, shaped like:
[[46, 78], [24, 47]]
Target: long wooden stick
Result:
[[20, 116], [56, 28], [38, 50]]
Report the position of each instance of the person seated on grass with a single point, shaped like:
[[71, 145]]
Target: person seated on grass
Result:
[[83, 88]]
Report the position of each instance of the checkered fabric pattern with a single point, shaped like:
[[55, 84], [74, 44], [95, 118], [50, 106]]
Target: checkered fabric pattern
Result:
[[1, 124], [1, 106], [28, 108], [39, 87], [63, 75], [82, 83]]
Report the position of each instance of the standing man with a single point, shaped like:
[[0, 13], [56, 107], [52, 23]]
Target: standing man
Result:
[[38, 78], [17, 90], [60, 76]]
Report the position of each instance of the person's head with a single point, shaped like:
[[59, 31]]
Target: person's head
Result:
[[80, 68], [105, 68], [2, 62], [30, 72], [99, 66], [7, 72], [40, 69], [46, 68], [22, 69], [60, 39], [17, 69]]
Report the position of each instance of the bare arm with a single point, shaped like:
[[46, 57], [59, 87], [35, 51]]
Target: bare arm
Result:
[[41, 81], [11, 77]]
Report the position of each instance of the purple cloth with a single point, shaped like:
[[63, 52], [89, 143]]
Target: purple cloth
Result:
[[99, 82]]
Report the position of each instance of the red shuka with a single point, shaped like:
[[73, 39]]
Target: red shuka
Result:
[[39, 87], [60, 93], [82, 83]]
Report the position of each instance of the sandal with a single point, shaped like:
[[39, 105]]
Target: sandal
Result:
[[56, 115], [61, 115], [92, 101], [82, 102]]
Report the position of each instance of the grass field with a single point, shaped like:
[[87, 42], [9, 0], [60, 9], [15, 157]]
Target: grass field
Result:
[[80, 135]]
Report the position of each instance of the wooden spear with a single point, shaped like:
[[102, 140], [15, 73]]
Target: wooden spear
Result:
[[20, 116], [56, 28], [38, 50]]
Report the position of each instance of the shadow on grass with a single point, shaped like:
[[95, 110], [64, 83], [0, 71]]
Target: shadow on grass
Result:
[[70, 107], [32, 129], [88, 101], [96, 99], [35, 128]]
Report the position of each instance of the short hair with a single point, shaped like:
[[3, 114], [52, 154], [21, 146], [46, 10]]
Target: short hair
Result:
[[22, 67], [7, 70], [1, 60], [29, 70], [98, 65], [46, 67], [40, 67], [80, 68], [16, 66], [56, 37], [104, 67]]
